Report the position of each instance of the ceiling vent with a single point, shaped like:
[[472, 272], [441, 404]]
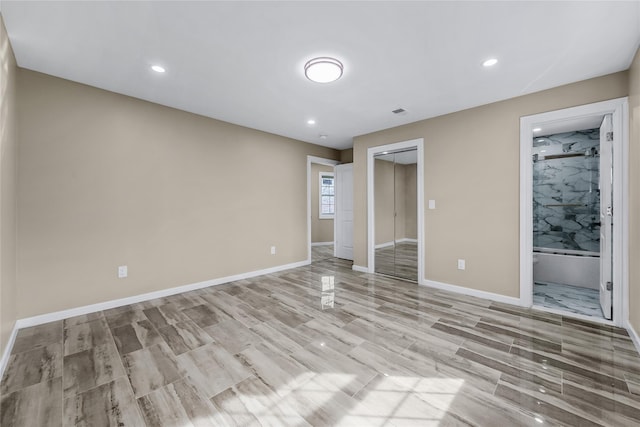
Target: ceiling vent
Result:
[[399, 111]]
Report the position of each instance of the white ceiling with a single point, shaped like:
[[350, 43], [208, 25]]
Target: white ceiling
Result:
[[242, 62]]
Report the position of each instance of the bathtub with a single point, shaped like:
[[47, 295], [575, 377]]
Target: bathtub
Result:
[[567, 267]]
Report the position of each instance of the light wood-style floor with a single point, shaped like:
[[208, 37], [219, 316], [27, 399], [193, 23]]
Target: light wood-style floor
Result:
[[322, 346]]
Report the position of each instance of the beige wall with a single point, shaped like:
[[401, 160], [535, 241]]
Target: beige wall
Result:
[[411, 201], [346, 156], [321, 229], [471, 169], [398, 190], [634, 193], [383, 185], [8, 159], [107, 180]]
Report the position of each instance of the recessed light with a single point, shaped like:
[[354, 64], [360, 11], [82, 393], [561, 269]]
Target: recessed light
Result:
[[323, 69], [158, 68], [311, 122], [537, 129], [490, 62], [323, 136], [543, 151]]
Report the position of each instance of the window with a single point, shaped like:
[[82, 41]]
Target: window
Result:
[[327, 195]]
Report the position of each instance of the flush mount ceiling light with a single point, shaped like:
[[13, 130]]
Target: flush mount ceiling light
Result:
[[158, 68], [311, 122], [323, 69], [490, 62]]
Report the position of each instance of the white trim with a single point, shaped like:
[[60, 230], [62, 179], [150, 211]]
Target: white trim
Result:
[[320, 161], [472, 292], [419, 145], [321, 243], [619, 108], [407, 240], [321, 175], [564, 313], [391, 243], [64, 314], [7, 350], [359, 268], [633, 335], [384, 245]]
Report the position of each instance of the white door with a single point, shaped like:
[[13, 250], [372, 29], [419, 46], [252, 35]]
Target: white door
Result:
[[606, 213], [344, 211]]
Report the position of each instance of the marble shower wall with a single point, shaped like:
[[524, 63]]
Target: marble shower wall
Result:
[[566, 199]]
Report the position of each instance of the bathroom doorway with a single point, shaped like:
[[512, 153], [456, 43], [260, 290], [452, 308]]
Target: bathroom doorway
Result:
[[573, 212]]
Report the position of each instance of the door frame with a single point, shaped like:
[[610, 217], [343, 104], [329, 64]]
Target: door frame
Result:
[[371, 152], [320, 161], [619, 109]]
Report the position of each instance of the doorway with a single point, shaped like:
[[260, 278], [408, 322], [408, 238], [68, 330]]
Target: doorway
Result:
[[395, 191], [573, 215], [395, 210], [320, 216]]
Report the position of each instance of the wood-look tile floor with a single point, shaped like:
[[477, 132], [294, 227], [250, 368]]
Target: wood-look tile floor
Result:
[[322, 346], [322, 252]]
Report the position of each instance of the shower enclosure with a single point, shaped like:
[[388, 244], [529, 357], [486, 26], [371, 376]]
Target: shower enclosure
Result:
[[566, 197], [566, 221]]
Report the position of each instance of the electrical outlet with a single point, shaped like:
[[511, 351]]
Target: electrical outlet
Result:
[[122, 272], [273, 250], [461, 264]]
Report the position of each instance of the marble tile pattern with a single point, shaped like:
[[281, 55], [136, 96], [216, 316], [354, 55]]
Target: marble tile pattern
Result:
[[399, 260], [568, 180], [573, 299], [267, 351]]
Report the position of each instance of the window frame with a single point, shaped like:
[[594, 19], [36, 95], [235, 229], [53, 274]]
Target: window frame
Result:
[[322, 175]]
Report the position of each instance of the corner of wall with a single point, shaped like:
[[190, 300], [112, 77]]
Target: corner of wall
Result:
[[8, 164], [634, 196]]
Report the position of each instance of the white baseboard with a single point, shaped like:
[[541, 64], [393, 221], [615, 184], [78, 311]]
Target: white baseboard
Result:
[[403, 240], [472, 292], [384, 245], [359, 268], [321, 243], [6, 354], [64, 314], [407, 240], [634, 335]]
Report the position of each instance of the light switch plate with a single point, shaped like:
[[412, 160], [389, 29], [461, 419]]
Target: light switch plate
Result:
[[432, 204], [122, 272]]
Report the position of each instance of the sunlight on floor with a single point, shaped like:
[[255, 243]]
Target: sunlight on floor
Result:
[[389, 400], [407, 400]]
